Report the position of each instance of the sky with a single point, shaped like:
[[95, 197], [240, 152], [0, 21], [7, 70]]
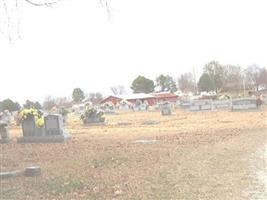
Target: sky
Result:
[[76, 43]]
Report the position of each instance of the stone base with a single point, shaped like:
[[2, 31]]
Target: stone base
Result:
[[44, 139], [244, 108], [150, 122], [33, 171], [124, 123], [96, 124], [12, 174]]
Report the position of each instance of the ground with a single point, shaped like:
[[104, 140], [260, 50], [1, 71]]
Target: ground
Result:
[[197, 155]]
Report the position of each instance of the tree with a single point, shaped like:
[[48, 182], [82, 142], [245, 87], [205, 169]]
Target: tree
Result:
[[232, 78], [95, 98], [216, 73], [256, 76], [205, 83], [263, 77], [118, 90], [63, 102], [142, 85], [186, 82], [9, 105], [77, 95], [166, 83], [49, 103], [31, 104]]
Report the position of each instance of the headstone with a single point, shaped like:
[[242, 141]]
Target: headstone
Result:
[[200, 105], [53, 125], [150, 122], [244, 104], [140, 107], [184, 104], [33, 171], [221, 104], [4, 133], [166, 109], [124, 123], [29, 126], [145, 141], [51, 132]]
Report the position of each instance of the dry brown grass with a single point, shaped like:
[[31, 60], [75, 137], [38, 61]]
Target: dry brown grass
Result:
[[203, 155]]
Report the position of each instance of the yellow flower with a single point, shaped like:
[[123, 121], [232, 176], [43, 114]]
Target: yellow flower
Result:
[[40, 122]]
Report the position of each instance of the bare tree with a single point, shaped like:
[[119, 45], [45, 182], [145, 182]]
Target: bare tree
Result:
[[263, 77], [232, 77], [49, 103], [95, 98], [9, 14], [186, 82], [118, 90], [253, 76]]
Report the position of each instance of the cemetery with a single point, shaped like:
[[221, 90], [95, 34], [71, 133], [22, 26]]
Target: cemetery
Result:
[[132, 144]]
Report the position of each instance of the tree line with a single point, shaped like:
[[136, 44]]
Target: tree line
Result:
[[215, 77]]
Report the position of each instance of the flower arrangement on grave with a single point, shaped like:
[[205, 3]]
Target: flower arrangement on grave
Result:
[[92, 115], [32, 112], [108, 106]]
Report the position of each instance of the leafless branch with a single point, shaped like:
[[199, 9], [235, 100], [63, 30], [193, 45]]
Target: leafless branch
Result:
[[42, 4], [8, 17]]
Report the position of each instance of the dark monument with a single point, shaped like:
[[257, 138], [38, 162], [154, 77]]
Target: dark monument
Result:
[[51, 132]]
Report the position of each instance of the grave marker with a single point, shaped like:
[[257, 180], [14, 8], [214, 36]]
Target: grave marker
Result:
[[244, 104]]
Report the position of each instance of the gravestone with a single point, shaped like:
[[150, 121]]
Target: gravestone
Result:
[[32, 171], [4, 133], [221, 104], [166, 109], [5, 119], [184, 104], [53, 125], [29, 126], [140, 107], [51, 132], [244, 104], [150, 122], [200, 105], [93, 116]]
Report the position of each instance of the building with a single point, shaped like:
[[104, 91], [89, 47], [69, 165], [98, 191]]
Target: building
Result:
[[150, 99]]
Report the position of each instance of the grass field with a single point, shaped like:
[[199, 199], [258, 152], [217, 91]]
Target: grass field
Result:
[[202, 155]]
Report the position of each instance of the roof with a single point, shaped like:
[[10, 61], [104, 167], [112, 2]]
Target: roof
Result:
[[142, 96], [164, 94], [136, 96]]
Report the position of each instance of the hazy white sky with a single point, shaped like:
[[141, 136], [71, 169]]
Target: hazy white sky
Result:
[[75, 44]]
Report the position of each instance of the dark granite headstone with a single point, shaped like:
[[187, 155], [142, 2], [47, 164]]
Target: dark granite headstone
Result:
[[52, 131], [53, 125], [29, 126]]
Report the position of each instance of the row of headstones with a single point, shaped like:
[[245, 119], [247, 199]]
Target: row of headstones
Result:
[[234, 104], [51, 132]]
